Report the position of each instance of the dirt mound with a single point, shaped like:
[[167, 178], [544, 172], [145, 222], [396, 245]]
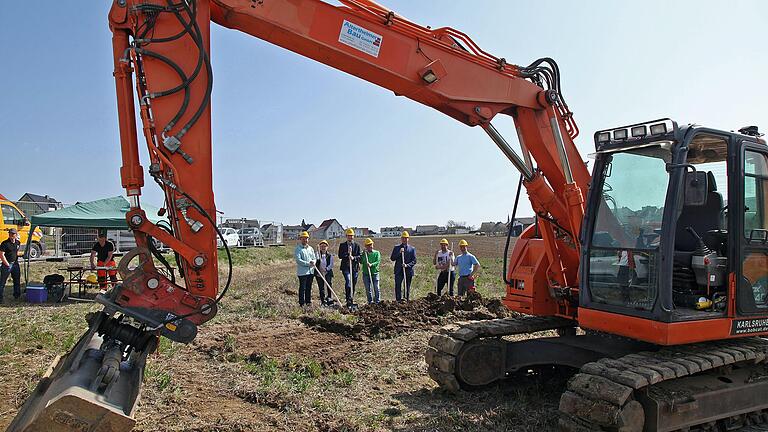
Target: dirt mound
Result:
[[388, 319]]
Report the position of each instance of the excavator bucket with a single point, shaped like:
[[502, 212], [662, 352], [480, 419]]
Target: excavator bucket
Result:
[[89, 389]]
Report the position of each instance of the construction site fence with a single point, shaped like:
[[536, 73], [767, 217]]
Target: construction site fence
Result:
[[58, 242]]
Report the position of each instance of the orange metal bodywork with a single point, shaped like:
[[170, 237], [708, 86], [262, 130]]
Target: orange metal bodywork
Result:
[[465, 83], [660, 333]]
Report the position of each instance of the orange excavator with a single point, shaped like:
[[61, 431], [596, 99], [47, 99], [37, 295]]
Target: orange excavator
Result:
[[650, 277]]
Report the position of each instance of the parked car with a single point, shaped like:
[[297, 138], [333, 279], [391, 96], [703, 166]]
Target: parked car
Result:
[[250, 237], [230, 236]]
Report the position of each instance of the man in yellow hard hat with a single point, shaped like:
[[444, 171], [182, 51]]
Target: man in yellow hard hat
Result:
[[468, 267], [305, 259], [370, 262], [443, 261], [349, 257], [404, 256]]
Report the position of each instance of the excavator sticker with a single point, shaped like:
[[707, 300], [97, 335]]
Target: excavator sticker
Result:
[[360, 39], [745, 326]]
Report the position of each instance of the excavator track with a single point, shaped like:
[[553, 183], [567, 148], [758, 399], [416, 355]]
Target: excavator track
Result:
[[658, 390], [713, 386], [441, 356]]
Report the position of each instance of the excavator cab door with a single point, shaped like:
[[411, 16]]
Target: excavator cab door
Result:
[[752, 232]]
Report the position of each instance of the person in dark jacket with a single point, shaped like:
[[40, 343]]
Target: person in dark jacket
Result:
[[324, 267], [404, 256], [349, 260], [9, 255]]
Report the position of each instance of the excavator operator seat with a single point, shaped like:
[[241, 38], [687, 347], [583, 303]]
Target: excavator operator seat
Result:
[[700, 218]]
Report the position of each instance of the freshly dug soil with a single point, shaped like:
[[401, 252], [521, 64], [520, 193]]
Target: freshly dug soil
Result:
[[389, 319]]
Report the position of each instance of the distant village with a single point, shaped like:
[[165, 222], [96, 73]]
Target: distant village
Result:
[[332, 228], [246, 231]]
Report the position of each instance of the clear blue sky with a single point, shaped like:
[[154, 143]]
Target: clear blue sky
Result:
[[283, 125]]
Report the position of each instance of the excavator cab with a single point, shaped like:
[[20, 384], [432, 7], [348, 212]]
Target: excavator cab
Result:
[[676, 237]]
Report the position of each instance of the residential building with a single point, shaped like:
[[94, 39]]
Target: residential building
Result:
[[521, 224], [327, 230], [362, 232], [457, 230], [493, 228], [392, 231], [32, 204], [273, 233], [427, 230], [241, 223], [291, 232]]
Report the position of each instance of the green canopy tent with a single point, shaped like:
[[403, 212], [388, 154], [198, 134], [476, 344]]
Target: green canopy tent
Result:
[[107, 213], [103, 213]]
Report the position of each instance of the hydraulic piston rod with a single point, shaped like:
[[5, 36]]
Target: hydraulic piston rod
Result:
[[508, 151]]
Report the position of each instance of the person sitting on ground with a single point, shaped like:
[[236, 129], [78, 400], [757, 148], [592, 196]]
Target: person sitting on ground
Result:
[[324, 267], [468, 267], [103, 250], [443, 261], [370, 263], [404, 256], [349, 258], [305, 260]]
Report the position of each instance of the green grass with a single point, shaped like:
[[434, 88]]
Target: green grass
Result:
[[292, 374], [256, 256], [158, 377]]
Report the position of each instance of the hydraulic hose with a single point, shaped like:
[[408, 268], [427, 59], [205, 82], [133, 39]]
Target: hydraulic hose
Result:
[[509, 231]]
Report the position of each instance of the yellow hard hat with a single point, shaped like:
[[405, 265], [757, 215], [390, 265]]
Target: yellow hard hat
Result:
[[91, 279], [323, 242], [304, 234], [405, 234], [368, 242], [444, 241], [350, 231], [463, 242]]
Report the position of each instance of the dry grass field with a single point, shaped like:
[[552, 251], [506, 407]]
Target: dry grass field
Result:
[[264, 364]]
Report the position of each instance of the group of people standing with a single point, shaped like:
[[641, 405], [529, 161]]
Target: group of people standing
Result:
[[354, 260]]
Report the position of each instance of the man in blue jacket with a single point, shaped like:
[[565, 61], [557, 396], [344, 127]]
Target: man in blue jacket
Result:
[[404, 256], [349, 258]]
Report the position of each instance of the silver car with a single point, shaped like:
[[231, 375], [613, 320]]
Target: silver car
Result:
[[250, 237]]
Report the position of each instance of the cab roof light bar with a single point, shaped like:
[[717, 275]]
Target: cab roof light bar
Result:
[[631, 134]]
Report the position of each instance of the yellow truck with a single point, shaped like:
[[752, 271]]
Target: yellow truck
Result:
[[13, 217]]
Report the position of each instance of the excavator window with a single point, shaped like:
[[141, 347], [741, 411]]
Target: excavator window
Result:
[[700, 266], [753, 287], [627, 234]]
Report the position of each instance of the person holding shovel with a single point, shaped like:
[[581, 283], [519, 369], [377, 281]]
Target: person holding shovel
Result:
[[370, 262], [468, 267], [444, 261], [404, 256], [305, 262], [349, 257], [324, 272]]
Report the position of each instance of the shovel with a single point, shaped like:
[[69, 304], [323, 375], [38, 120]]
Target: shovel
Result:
[[370, 277], [353, 306], [405, 278], [327, 285]]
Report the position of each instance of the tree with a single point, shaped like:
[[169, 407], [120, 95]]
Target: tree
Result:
[[454, 224]]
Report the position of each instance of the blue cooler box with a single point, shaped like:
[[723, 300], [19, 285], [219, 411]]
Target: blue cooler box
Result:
[[37, 294]]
